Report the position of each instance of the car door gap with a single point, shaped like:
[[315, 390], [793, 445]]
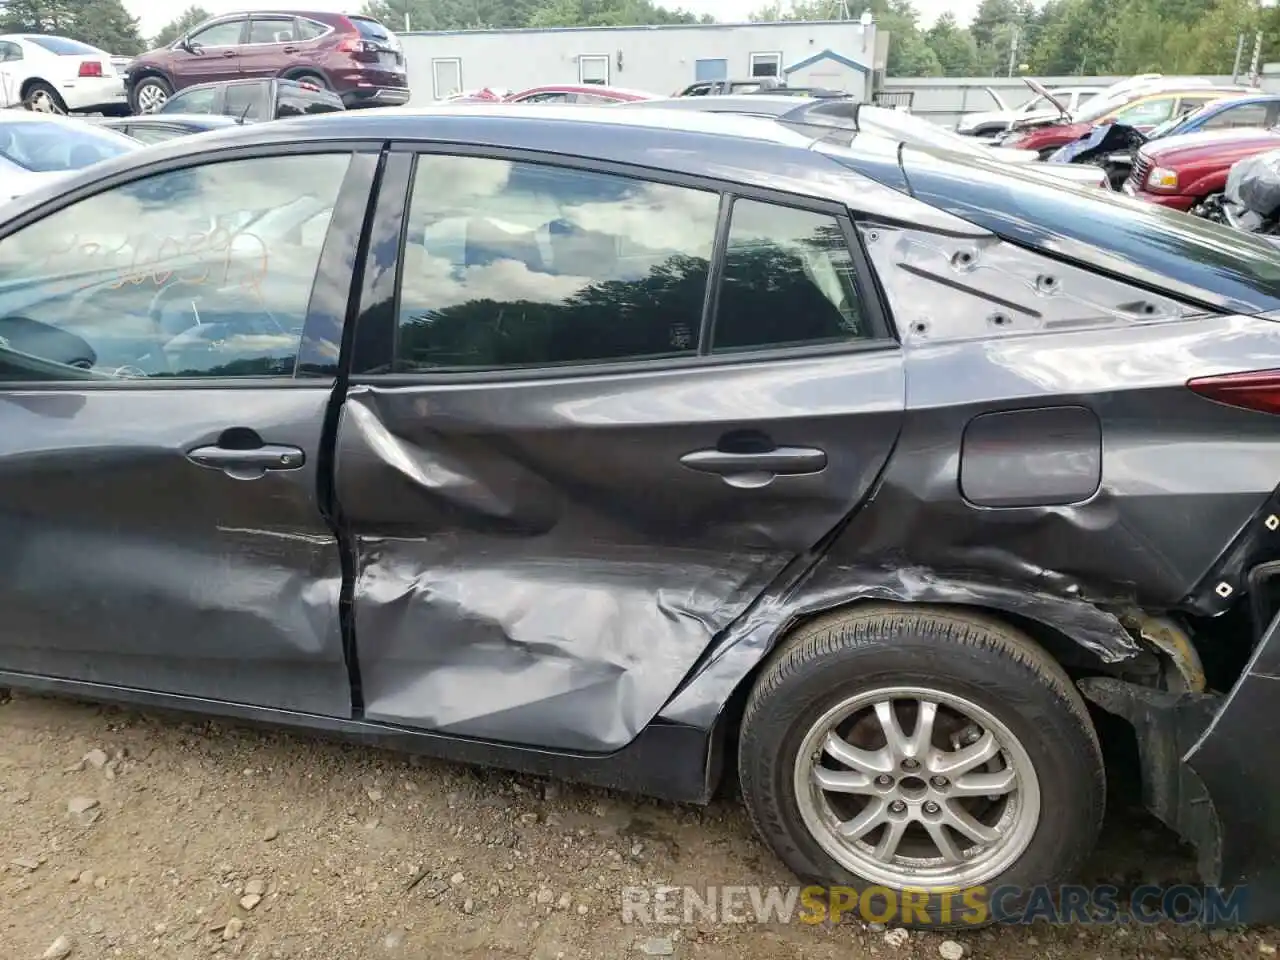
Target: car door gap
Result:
[[326, 492]]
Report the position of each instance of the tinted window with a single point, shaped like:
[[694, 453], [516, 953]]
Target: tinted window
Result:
[[1250, 115], [244, 100], [271, 31], [226, 34], [1100, 229], [371, 29], [310, 30], [63, 47], [48, 147], [523, 265], [195, 100], [200, 272], [788, 280], [557, 97]]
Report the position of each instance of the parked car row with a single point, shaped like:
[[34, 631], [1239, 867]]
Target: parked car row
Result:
[[354, 57], [642, 443]]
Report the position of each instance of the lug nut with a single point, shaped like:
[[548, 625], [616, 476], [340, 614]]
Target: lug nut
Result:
[[884, 780], [940, 782], [897, 807], [910, 764], [930, 807]]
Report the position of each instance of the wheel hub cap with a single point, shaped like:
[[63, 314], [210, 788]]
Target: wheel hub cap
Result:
[[912, 787], [151, 98]]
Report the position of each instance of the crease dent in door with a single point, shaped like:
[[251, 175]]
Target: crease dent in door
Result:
[[554, 619]]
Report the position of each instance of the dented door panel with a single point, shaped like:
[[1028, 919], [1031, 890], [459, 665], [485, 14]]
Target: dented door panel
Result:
[[536, 565]]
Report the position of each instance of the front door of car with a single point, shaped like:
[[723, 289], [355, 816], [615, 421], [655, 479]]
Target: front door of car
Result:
[[160, 523], [600, 419], [214, 54]]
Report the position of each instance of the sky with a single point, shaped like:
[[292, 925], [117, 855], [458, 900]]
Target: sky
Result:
[[154, 14]]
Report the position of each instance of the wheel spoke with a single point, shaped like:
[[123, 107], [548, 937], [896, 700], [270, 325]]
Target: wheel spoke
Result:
[[864, 761], [961, 761], [896, 741], [889, 840], [922, 736], [871, 816], [960, 820], [842, 781], [984, 784], [942, 840]]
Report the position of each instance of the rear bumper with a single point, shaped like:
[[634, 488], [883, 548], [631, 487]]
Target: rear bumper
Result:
[[372, 96], [1210, 772], [93, 93]]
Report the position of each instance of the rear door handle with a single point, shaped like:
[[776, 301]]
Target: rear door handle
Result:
[[230, 53], [248, 464], [778, 461], [290, 49]]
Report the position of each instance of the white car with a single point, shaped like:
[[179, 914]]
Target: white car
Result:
[[60, 75], [991, 122], [37, 148]]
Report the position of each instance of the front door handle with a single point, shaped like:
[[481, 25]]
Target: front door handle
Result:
[[759, 468], [290, 49], [229, 53], [248, 464]]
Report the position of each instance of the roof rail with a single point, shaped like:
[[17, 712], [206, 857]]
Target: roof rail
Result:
[[842, 114]]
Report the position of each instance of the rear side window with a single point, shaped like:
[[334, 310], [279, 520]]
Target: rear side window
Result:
[[788, 281], [311, 30], [64, 47], [1249, 115], [1188, 256], [371, 29], [511, 265], [278, 30]]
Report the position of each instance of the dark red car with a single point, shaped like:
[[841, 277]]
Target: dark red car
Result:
[[1181, 171], [355, 57], [577, 93]]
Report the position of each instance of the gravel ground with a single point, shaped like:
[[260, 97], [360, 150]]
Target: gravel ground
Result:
[[124, 834]]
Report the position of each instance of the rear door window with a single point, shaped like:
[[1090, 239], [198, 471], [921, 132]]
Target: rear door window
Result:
[[788, 281], [271, 30], [1146, 113], [1248, 115], [516, 265]]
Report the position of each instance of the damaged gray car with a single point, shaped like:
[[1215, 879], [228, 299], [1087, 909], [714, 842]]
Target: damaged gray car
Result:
[[645, 449]]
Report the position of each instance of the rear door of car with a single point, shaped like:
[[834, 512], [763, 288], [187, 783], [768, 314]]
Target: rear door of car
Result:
[[593, 412], [270, 45], [169, 356]]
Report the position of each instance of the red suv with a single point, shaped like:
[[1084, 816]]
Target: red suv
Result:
[[355, 57]]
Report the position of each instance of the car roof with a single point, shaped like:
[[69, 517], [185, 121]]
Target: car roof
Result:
[[770, 104]]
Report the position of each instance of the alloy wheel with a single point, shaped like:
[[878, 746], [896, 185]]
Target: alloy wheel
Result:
[[151, 98], [953, 803]]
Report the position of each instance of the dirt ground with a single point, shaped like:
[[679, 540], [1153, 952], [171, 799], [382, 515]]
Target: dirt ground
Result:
[[139, 835]]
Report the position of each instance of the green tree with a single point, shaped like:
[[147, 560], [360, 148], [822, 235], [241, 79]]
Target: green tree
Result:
[[180, 25], [1081, 39], [955, 48], [106, 24], [38, 16]]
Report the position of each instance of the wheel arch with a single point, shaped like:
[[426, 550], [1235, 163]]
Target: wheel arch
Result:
[[1082, 638], [31, 81], [144, 73], [294, 72]]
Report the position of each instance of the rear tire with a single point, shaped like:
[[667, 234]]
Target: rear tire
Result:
[[1004, 718], [312, 78], [42, 98]]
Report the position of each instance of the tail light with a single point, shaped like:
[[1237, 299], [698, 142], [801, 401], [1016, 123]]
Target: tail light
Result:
[[90, 68], [356, 45], [1255, 390]]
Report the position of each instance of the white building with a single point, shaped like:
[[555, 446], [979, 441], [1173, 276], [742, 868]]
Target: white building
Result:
[[838, 54]]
